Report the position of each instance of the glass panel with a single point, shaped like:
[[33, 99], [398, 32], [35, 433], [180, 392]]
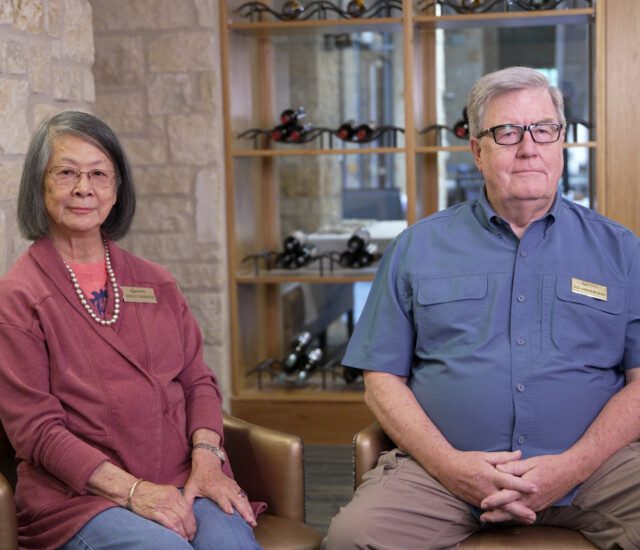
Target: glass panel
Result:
[[340, 78], [329, 197], [351, 78]]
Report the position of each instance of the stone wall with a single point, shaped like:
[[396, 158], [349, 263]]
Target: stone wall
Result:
[[46, 54], [157, 77]]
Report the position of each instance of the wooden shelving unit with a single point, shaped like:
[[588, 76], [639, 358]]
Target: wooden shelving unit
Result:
[[252, 201]]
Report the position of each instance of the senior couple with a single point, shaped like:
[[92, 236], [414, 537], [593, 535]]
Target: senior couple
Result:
[[500, 345]]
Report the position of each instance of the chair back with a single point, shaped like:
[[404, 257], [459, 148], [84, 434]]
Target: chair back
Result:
[[269, 465]]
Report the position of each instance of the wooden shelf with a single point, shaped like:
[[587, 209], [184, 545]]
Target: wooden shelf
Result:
[[313, 393], [315, 152], [506, 19], [343, 276], [328, 418], [320, 26], [238, 153], [431, 149]]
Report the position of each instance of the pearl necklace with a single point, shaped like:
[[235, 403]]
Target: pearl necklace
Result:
[[114, 286]]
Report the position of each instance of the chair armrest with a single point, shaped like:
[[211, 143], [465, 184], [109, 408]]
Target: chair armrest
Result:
[[367, 446], [268, 465], [8, 526]]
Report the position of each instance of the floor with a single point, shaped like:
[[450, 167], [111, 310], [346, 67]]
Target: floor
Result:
[[329, 485], [328, 468]]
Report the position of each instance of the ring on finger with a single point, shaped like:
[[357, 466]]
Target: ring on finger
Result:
[[242, 494]]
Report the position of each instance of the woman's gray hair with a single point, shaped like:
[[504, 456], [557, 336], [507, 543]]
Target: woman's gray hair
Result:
[[512, 79], [33, 219]]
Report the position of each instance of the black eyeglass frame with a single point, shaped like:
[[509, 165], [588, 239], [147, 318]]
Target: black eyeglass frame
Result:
[[524, 129]]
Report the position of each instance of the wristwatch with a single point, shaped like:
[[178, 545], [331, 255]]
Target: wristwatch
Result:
[[212, 448]]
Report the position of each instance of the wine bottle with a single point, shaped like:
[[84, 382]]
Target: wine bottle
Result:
[[364, 132], [294, 360], [313, 361], [292, 116], [298, 132], [346, 131], [355, 8], [306, 255], [295, 241], [369, 255], [359, 240], [280, 133], [292, 9], [360, 252], [461, 128]]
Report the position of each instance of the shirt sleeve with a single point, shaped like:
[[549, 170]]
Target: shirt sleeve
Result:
[[631, 358], [384, 337]]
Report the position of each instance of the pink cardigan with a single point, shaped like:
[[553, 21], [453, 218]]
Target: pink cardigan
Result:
[[74, 393]]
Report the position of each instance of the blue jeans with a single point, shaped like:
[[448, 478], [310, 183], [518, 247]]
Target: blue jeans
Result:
[[119, 528]]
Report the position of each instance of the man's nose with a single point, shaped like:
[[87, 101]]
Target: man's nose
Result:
[[527, 146]]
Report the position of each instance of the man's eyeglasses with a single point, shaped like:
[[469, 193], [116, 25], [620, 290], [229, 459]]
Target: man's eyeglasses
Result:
[[67, 176], [512, 134]]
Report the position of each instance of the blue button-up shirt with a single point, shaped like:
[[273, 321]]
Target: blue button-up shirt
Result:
[[507, 343]]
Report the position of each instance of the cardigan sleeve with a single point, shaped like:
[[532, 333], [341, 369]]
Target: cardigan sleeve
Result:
[[33, 418], [202, 396]]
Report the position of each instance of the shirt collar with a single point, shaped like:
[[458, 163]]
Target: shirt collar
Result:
[[490, 220]]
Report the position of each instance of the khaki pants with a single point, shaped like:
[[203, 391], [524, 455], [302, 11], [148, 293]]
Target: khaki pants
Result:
[[399, 506]]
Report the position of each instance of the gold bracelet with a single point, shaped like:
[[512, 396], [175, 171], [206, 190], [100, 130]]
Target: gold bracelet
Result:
[[133, 488]]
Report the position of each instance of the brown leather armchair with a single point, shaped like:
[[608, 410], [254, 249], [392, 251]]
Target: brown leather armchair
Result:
[[267, 464], [370, 442]]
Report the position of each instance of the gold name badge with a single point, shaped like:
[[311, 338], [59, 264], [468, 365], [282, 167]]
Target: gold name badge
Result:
[[138, 294], [578, 286]]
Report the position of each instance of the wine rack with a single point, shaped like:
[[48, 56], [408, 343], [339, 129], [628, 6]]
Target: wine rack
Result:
[[249, 52]]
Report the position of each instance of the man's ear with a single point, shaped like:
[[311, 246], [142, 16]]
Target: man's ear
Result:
[[476, 150]]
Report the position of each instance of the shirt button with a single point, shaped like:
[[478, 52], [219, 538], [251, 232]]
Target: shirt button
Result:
[[521, 298], [523, 253], [520, 342], [520, 387], [521, 440]]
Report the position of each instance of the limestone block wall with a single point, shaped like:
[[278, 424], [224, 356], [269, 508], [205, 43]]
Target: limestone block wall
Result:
[[46, 58], [157, 78]]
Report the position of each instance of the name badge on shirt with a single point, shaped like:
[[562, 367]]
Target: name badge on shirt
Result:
[[138, 294], [578, 286]]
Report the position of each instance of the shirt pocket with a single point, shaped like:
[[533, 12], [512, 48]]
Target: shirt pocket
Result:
[[587, 328], [451, 312]]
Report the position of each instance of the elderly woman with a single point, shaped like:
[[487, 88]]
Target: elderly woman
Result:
[[106, 398]]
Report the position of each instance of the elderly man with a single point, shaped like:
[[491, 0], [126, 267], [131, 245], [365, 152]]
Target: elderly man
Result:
[[501, 346]]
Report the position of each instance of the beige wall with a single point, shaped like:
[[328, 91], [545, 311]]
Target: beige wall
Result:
[[156, 81]]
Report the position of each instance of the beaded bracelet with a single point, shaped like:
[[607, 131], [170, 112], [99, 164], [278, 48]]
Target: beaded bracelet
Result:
[[133, 488]]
